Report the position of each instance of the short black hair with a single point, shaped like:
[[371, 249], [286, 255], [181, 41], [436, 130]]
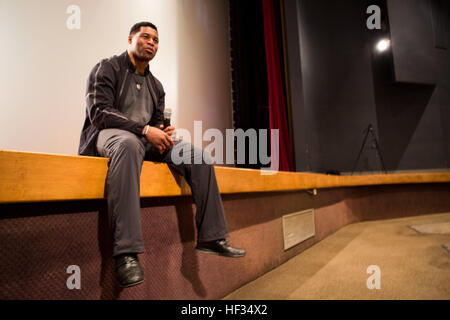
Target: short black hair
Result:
[[137, 27]]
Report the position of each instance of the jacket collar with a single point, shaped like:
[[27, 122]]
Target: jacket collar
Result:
[[130, 64]]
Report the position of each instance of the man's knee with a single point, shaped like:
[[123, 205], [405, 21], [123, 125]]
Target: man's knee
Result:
[[188, 154], [207, 158], [120, 142], [200, 156], [130, 145]]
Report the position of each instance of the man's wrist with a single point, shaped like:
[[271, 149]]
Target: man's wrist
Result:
[[145, 130]]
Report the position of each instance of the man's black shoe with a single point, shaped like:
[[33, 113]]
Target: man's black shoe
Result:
[[128, 270], [220, 247]]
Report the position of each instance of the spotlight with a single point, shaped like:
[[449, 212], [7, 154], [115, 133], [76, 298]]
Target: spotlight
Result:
[[383, 45]]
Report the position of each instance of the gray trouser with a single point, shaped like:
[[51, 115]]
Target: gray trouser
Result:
[[127, 153]]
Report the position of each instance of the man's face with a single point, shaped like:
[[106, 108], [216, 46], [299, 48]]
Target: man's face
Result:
[[144, 44]]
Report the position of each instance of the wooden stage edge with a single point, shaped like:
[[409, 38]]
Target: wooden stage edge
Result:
[[31, 177]]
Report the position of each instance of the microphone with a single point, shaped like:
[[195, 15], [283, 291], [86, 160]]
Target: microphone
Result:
[[167, 114]]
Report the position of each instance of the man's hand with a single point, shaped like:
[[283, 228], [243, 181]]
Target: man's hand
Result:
[[169, 130], [159, 138]]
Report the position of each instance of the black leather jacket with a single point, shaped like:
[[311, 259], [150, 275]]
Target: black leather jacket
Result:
[[106, 90]]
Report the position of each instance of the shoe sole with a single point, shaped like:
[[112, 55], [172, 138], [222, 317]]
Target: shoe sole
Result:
[[220, 254], [131, 284]]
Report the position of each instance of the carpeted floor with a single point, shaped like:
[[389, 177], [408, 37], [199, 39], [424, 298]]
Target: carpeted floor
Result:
[[411, 264]]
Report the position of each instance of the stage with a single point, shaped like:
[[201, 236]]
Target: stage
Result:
[[53, 215]]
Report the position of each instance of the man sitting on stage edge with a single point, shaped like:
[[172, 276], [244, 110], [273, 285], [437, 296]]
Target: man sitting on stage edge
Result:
[[124, 122]]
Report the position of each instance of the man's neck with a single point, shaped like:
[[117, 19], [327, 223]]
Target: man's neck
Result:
[[139, 64]]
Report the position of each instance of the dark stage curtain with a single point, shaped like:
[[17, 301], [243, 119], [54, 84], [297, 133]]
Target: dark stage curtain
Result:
[[277, 100], [259, 100]]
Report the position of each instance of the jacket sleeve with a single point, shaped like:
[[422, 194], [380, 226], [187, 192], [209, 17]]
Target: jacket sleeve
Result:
[[100, 97], [158, 117]]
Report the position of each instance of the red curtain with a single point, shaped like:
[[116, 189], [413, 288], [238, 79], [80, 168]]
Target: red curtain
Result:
[[277, 103]]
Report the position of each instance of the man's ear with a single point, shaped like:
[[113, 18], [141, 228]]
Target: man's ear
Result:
[[130, 39]]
